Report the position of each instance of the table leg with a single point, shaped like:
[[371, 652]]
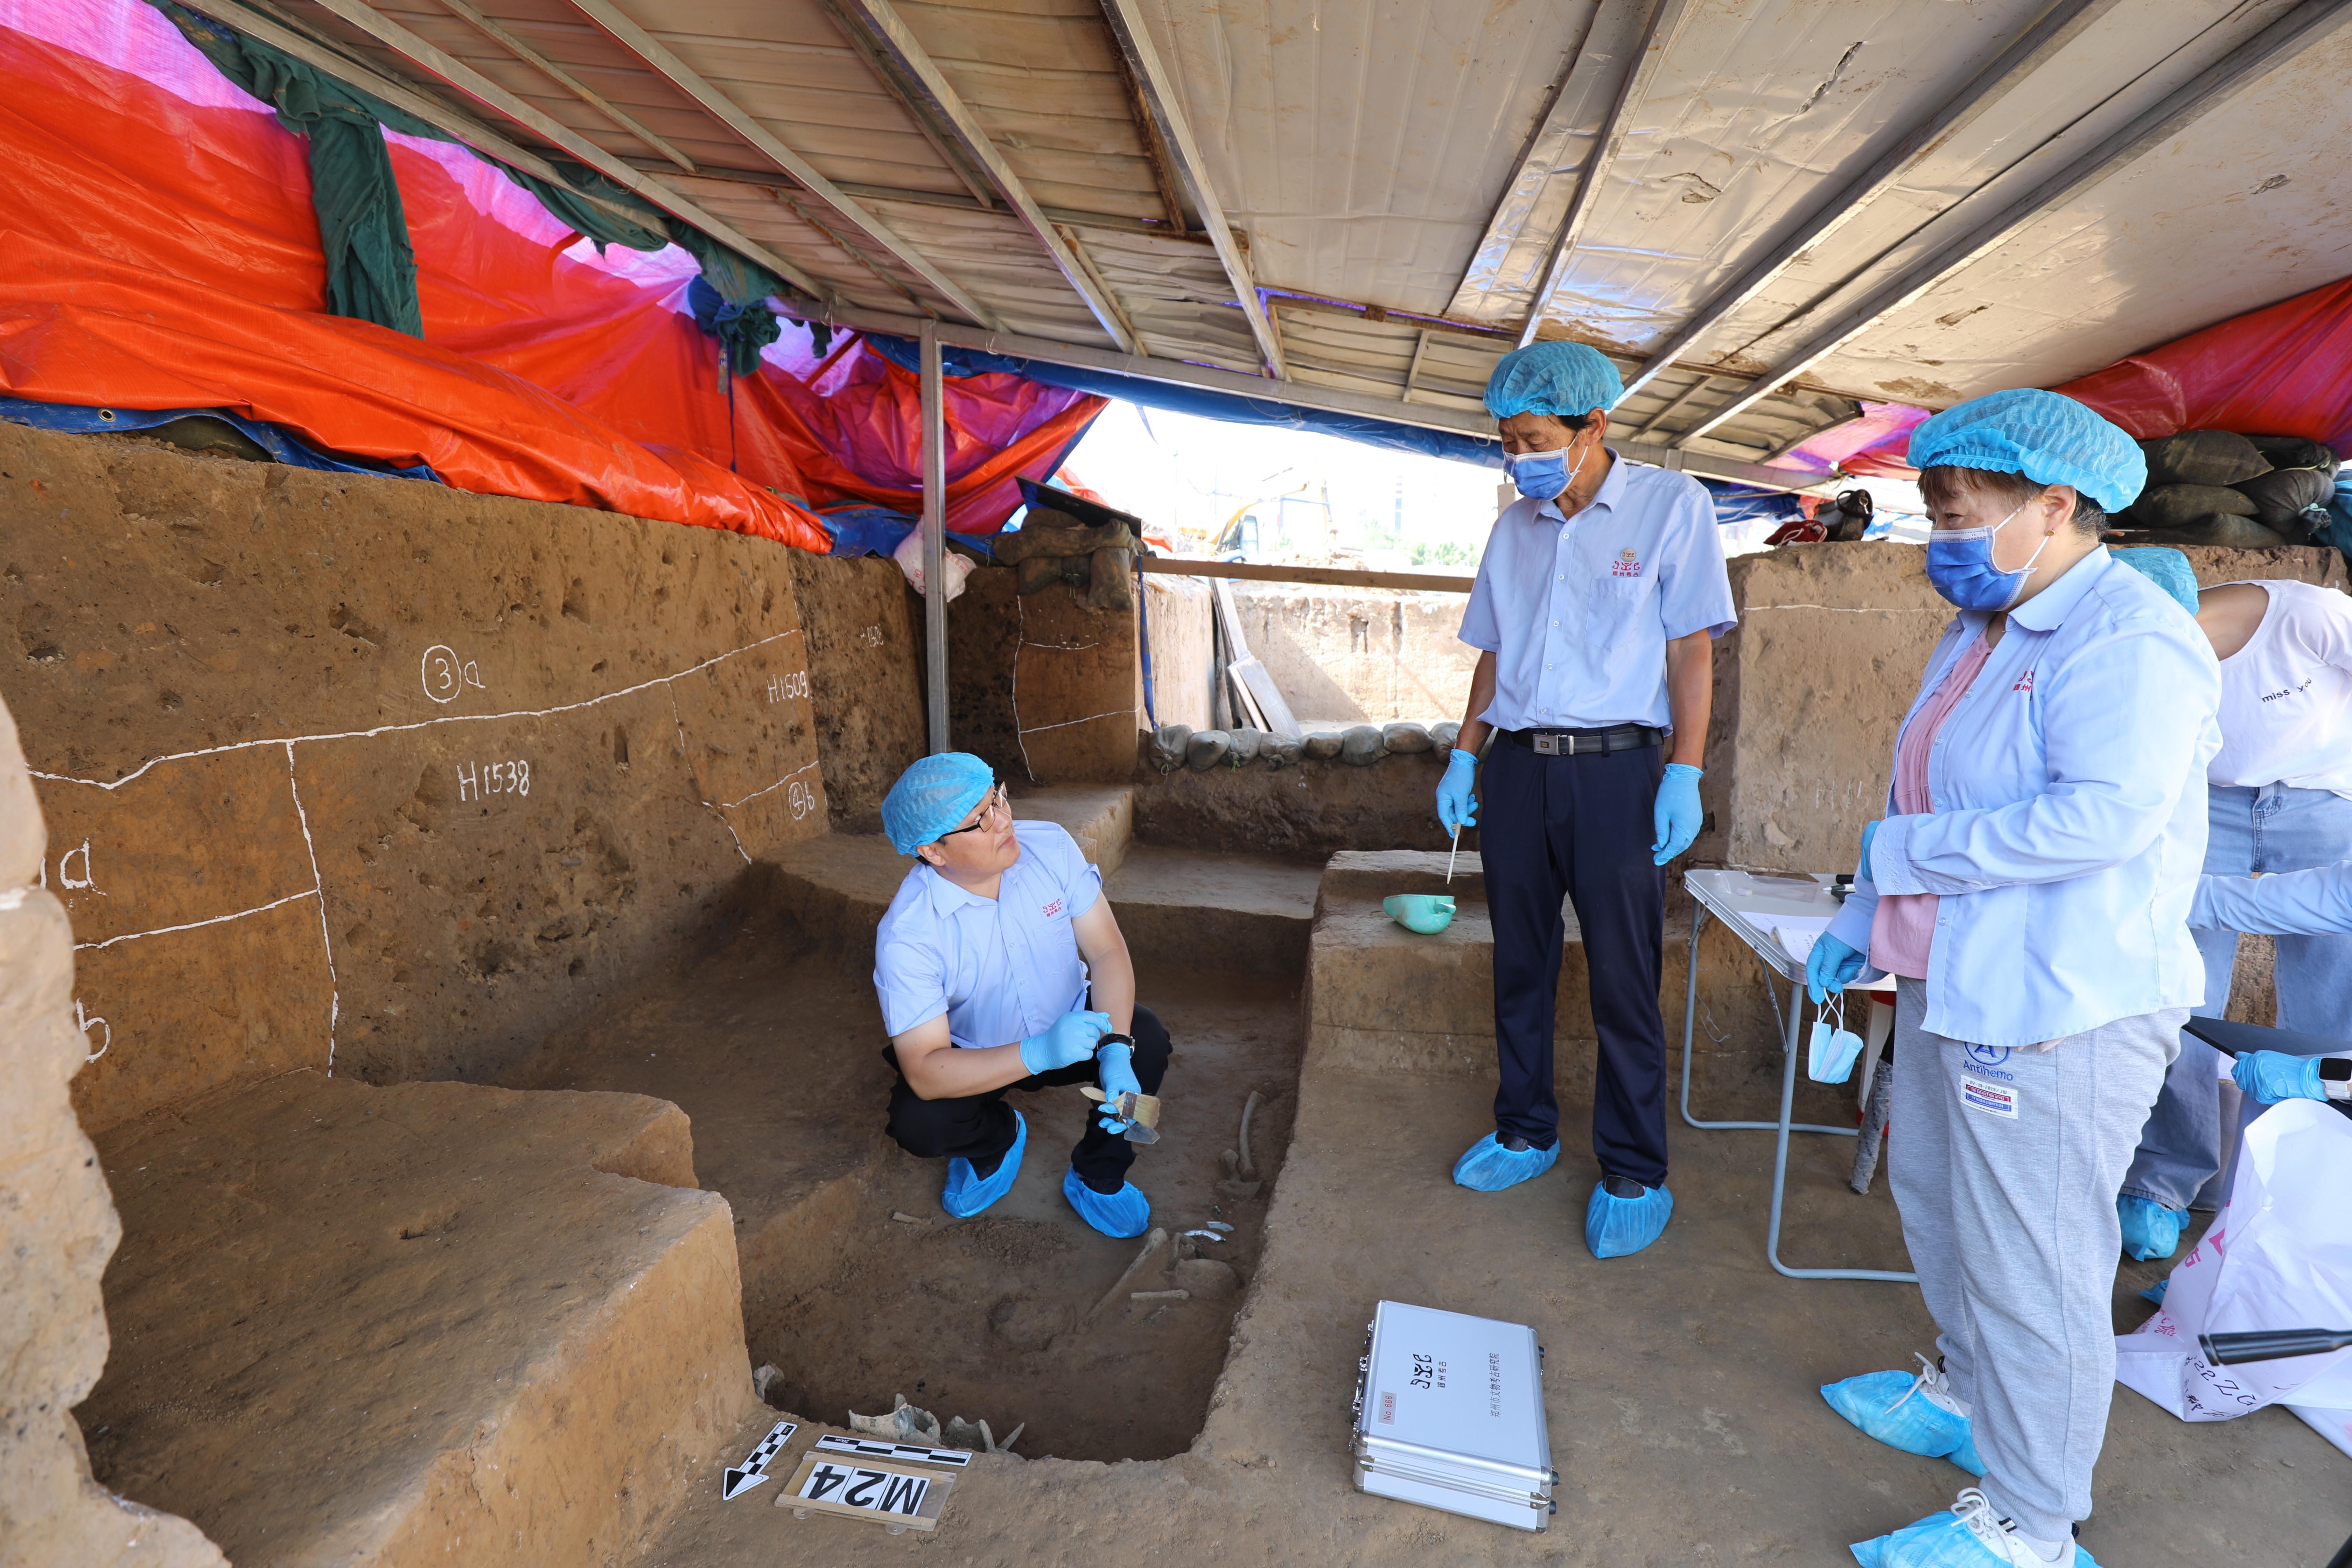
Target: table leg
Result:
[[1788, 1047], [1781, 1160]]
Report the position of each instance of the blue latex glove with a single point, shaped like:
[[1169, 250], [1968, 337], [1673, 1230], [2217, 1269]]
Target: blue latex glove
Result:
[[1117, 1061], [1676, 815], [1869, 831], [1457, 806], [2273, 1075], [1831, 966], [1068, 1041]]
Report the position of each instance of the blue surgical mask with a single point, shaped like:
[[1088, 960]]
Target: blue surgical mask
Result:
[[1541, 476], [1960, 564]]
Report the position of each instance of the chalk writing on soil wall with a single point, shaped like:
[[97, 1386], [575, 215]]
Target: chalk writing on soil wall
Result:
[[478, 780], [447, 677]]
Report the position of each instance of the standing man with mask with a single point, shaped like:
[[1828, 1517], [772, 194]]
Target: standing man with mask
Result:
[[1594, 611]]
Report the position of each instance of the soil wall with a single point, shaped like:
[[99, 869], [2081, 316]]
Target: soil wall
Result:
[[1044, 689], [1811, 687], [1357, 656], [863, 628], [58, 1229], [375, 775]]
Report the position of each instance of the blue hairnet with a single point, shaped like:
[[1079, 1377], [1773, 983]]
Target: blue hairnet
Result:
[[2168, 569], [2050, 439], [934, 796], [1570, 380]]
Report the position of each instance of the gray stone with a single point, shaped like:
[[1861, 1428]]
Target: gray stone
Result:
[[1280, 751], [1245, 746], [1320, 747], [1167, 746], [1404, 738], [1206, 749], [1443, 736], [1361, 746]]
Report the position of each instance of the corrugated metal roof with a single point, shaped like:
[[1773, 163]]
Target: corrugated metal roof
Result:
[[1763, 188]]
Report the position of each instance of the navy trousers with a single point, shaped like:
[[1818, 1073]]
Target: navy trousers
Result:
[[1579, 827], [979, 1127]]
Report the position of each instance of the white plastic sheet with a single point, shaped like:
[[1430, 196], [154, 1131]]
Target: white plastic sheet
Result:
[[2279, 1258]]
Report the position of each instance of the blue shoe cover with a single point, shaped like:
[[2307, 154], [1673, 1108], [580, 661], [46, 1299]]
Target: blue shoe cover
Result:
[[2150, 1230], [967, 1194], [2154, 1292], [1615, 1226], [1122, 1214], [1883, 1405], [1938, 1541], [1487, 1167]]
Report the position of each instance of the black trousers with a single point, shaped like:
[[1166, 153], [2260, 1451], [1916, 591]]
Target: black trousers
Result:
[[1578, 826], [979, 1127]]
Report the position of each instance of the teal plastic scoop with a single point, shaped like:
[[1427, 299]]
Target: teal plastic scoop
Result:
[[1427, 913]]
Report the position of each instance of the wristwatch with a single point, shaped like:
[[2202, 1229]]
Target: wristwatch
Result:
[[1108, 1040]]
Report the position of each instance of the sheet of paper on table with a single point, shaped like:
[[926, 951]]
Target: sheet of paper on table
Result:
[[1798, 932]]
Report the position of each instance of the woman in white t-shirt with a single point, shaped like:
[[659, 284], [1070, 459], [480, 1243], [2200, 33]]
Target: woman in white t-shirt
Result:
[[2280, 799]]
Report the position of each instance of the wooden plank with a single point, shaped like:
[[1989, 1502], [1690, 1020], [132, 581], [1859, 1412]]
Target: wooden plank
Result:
[[1326, 577]]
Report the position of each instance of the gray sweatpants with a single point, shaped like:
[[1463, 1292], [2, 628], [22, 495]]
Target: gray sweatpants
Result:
[[2005, 1164]]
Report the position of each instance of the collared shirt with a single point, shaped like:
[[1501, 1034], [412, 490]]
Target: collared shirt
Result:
[[1002, 969], [2068, 821], [1578, 611]]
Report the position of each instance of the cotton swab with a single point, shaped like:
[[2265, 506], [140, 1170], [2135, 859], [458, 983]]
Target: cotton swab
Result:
[[1450, 854]]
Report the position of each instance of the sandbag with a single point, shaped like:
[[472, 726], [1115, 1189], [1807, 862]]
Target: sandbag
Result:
[[2203, 457], [2173, 506], [1037, 572], [1053, 533], [1110, 580], [2230, 530], [2283, 493], [2296, 452]]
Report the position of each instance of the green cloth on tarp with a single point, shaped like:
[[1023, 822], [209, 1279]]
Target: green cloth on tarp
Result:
[[363, 228]]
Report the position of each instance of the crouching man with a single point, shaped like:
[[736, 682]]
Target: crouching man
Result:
[[999, 966]]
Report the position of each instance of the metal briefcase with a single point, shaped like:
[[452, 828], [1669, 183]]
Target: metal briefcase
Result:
[[1449, 1414]]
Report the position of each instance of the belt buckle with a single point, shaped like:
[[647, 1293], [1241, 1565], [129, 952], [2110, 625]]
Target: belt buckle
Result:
[[1548, 745]]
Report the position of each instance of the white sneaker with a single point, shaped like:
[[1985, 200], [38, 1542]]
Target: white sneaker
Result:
[[1936, 1387], [2002, 1537]]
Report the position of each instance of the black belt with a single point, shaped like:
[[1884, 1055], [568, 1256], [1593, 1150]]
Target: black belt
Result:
[[1584, 742]]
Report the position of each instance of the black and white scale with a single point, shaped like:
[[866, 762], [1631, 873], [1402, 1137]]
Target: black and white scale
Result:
[[1449, 1414]]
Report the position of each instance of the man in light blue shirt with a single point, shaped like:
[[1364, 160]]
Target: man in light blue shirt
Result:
[[998, 965], [1594, 612]]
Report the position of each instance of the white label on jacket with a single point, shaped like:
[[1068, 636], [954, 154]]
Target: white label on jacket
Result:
[[1992, 1099]]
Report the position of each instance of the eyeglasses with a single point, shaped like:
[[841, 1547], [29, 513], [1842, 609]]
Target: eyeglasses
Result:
[[990, 804]]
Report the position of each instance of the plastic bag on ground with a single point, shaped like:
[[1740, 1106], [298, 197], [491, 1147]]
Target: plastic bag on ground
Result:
[[2280, 1257]]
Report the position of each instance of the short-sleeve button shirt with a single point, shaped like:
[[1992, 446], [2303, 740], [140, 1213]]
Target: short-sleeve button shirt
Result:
[[1578, 611], [1002, 969]]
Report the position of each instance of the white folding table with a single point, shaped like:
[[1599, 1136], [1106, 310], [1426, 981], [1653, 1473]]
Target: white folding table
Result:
[[1756, 905]]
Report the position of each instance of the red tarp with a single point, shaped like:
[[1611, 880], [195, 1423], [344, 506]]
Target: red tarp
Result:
[[2279, 371], [158, 250]]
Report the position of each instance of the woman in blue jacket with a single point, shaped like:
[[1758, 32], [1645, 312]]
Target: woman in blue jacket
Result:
[[2030, 890]]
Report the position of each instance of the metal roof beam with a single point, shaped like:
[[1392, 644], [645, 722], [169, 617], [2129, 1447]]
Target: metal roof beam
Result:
[[910, 99], [474, 134], [2032, 50], [1132, 33], [2267, 49], [658, 55], [497, 34], [889, 34], [1657, 37], [1296, 394]]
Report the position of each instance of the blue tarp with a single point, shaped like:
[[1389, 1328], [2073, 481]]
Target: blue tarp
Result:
[[77, 420], [1232, 408], [860, 528]]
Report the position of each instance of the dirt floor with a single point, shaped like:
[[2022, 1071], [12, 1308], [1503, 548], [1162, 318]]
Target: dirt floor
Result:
[[1680, 1388], [774, 1056]]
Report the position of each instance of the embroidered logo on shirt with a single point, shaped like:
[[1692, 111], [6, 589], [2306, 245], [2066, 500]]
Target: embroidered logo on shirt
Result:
[[1050, 910], [1625, 565], [2024, 683], [1992, 1099], [1989, 1056]]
